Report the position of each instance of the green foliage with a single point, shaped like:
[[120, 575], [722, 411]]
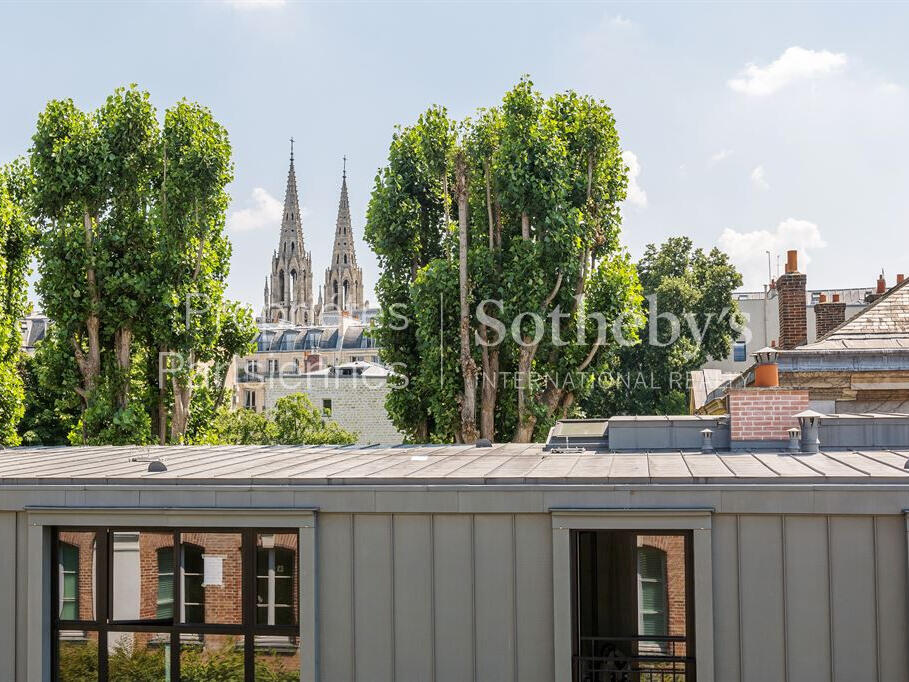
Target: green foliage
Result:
[[16, 235], [545, 181], [133, 260], [50, 378], [694, 287], [292, 421], [223, 662], [297, 422]]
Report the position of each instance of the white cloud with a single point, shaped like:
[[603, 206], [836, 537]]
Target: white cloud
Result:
[[265, 212], [796, 63], [620, 22], [721, 155], [256, 4], [748, 250], [758, 179], [635, 193]]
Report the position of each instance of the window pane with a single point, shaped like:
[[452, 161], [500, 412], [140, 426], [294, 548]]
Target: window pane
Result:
[[631, 604], [276, 579], [212, 578], [77, 656], [212, 657], [142, 578], [277, 658], [138, 656], [76, 575]]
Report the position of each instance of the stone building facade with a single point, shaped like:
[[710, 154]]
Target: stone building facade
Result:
[[355, 401]]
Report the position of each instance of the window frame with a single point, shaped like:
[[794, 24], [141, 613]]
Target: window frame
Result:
[[655, 521], [104, 624]]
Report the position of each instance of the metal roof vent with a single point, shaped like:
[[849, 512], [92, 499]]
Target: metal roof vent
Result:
[[156, 465], [483, 443], [810, 422], [707, 443]]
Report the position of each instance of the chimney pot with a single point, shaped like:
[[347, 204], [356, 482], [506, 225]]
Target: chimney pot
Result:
[[900, 278], [792, 261], [881, 285], [822, 298], [836, 298]]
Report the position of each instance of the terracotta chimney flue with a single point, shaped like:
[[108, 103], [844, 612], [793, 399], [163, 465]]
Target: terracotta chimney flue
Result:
[[900, 278], [836, 298], [881, 284], [792, 261], [822, 298]]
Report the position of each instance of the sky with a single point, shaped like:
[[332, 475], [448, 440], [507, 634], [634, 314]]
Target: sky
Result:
[[751, 127]]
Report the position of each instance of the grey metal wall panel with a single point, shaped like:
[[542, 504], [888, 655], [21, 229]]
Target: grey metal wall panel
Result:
[[726, 598], [373, 598], [852, 592], [761, 598], [807, 598], [335, 582], [8, 597], [494, 590], [413, 618], [533, 583], [454, 598], [893, 628]]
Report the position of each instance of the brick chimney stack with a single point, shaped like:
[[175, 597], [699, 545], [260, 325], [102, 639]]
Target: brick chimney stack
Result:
[[881, 290], [828, 315], [793, 316], [900, 278]]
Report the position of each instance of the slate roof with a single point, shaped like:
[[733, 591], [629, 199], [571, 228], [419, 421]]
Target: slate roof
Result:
[[882, 326], [428, 465]]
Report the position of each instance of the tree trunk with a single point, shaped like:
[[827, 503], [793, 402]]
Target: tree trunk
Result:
[[123, 338], [490, 219], [182, 386], [468, 366], [90, 362], [527, 422], [490, 392], [525, 226], [162, 402]]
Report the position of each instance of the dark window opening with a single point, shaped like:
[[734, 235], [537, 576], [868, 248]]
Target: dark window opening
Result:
[[632, 598], [227, 609], [739, 351]]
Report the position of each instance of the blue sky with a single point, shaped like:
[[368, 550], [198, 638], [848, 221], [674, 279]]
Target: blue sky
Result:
[[749, 126]]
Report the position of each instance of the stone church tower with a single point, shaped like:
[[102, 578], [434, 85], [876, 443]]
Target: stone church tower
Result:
[[343, 279], [288, 290]]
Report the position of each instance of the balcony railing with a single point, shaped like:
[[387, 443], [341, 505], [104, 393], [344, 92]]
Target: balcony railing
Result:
[[643, 658]]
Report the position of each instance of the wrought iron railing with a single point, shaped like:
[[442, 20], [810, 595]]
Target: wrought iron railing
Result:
[[644, 658]]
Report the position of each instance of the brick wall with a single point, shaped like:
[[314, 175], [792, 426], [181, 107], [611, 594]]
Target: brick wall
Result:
[[829, 315], [764, 413], [674, 547], [793, 315], [84, 542]]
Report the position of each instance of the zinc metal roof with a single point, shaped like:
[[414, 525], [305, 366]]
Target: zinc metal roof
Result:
[[509, 463]]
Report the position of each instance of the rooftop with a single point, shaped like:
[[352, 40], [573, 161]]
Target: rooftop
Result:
[[428, 465], [882, 326]]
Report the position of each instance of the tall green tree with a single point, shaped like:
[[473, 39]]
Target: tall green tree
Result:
[[532, 242], [691, 316], [16, 233], [407, 222], [133, 257]]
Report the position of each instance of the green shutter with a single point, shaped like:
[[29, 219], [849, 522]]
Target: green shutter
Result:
[[165, 601], [652, 591], [69, 581]]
